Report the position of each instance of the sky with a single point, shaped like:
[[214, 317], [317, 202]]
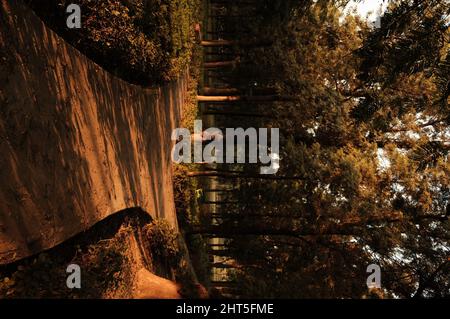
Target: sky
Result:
[[369, 9]]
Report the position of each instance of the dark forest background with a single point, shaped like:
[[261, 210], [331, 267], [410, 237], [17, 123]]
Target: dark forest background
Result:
[[364, 121]]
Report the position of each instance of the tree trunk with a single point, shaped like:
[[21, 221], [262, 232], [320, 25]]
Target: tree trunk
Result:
[[209, 91], [226, 3], [269, 230], [228, 55], [217, 245], [221, 252], [238, 114], [236, 175], [247, 98], [241, 216], [218, 190], [243, 43], [217, 43], [224, 266], [219, 203], [227, 284], [220, 92], [219, 64]]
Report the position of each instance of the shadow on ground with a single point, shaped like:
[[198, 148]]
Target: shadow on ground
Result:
[[77, 144]]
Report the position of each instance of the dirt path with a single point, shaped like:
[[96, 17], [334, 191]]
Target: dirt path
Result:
[[76, 143], [150, 286]]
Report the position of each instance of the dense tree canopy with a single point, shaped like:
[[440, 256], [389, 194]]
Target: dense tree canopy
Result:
[[364, 119]]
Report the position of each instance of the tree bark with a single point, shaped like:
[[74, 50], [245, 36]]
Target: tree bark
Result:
[[228, 284], [219, 64], [220, 91], [236, 175], [238, 114], [210, 91], [219, 202], [218, 190], [247, 98], [217, 43], [224, 266], [269, 230], [243, 43], [221, 252]]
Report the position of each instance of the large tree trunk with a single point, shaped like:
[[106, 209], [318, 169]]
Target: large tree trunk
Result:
[[247, 98]]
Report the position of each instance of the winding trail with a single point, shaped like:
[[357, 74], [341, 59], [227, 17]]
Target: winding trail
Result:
[[77, 144]]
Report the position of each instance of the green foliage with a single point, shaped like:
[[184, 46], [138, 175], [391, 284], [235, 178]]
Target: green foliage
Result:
[[365, 131], [168, 248], [187, 203], [143, 42], [163, 242], [105, 269]]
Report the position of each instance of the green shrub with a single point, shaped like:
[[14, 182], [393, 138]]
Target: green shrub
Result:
[[142, 41], [163, 242]]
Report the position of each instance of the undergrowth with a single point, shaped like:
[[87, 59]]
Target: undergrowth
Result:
[[145, 42], [107, 260]]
